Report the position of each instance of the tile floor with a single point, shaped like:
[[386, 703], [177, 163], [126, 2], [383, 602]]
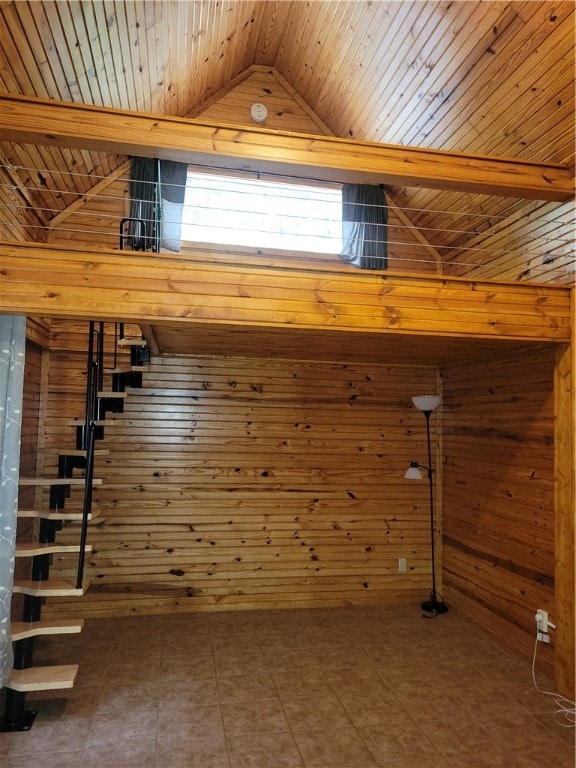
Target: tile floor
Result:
[[310, 688]]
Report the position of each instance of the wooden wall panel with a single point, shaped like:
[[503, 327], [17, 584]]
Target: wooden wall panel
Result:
[[498, 494], [286, 110], [94, 221], [235, 483]]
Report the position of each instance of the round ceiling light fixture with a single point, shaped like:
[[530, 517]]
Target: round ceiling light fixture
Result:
[[258, 112]]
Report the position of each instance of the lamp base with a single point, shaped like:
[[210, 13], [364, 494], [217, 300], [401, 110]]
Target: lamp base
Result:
[[434, 606]]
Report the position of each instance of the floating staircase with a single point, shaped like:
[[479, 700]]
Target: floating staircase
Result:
[[25, 677]]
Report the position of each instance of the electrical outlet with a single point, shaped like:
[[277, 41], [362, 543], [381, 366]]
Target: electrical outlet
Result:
[[542, 620], [543, 637], [401, 565]]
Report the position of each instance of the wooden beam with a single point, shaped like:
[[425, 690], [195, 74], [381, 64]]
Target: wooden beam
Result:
[[565, 493], [25, 119], [106, 285], [413, 229]]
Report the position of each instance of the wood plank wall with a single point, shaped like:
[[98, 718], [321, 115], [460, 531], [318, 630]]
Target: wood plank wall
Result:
[[498, 495], [253, 483], [259, 84], [95, 219]]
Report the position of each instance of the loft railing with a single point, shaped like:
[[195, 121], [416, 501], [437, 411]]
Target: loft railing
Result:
[[91, 430]]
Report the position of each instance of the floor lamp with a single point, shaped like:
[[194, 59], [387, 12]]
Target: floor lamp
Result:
[[427, 404]]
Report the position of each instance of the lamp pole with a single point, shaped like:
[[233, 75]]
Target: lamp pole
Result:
[[434, 605], [427, 404]]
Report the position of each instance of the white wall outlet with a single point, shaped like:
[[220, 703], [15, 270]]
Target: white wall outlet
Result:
[[542, 620], [401, 565]]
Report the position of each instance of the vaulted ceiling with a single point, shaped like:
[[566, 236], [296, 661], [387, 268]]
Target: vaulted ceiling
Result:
[[482, 77]]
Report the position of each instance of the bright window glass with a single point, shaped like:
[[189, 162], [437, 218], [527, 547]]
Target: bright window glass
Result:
[[260, 213]]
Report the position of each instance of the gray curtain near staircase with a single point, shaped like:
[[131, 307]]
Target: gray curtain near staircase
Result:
[[12, 350], [157, 189], [365, 226]]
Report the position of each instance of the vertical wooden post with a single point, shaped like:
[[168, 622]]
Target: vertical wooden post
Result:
[[565, 515]]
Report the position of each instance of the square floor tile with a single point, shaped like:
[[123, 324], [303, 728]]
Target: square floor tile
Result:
[[398, 741], [316, 713], [258, 716], [264, 750], [334, 747]]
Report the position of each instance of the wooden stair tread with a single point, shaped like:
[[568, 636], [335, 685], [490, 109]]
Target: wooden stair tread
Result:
[[20, 630], [112, 395], [48, 514], [130, 369], [57, 481], [31, 548], [101, 423], [43, 678], [132, 343], [81, 452], [50, 588]]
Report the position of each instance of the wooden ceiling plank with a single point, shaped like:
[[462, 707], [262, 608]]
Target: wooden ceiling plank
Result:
[[13, 61], [37, 121], [106, 26], [359, 90], [309, 29], [49, 49], [515, 45], [74, 31], [428, 53], [155, 64], [244, 53], [532, 108], [25, 223], [273, 21], [120, 51], [23, 191], [97, 190], [454, 92], [289, 32], [34, 160], [356, 114], [103, 74], [522, 231], [134, 64], [416, 232], [446, 72], [320, 71], [486, 106], [30, 50]]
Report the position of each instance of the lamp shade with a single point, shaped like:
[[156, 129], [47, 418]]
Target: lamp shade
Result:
[[427, 402], [413, 472]]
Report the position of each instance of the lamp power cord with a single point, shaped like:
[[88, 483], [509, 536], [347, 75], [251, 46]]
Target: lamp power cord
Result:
[[565, 714]]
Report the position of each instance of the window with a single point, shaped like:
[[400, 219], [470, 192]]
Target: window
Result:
[[260, 213]]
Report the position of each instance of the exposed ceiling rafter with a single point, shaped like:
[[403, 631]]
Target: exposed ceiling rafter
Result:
[[80, 126]]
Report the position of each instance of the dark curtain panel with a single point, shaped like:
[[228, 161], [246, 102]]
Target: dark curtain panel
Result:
[[364, 226], [172, 191], [157, 190], [144, 204]]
